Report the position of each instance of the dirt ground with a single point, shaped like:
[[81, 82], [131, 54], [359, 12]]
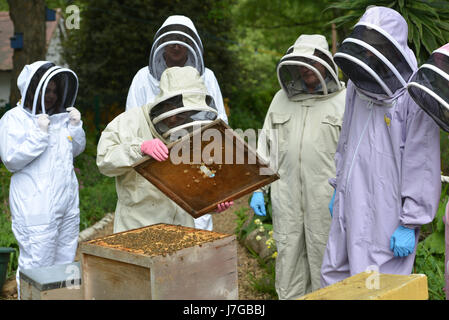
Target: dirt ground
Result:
[[224, 222]]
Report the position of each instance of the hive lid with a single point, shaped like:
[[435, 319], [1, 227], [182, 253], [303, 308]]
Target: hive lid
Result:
[[53, 277], [236, 167], [157, 240]]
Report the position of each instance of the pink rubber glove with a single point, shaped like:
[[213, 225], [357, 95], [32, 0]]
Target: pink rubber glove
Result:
[[155, 148], [223, 206]]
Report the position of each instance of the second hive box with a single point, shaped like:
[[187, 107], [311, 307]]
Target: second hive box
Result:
[[161, 262]]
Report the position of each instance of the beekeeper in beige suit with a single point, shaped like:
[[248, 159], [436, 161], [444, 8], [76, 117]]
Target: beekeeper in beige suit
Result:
[[302, 128], [182, 103]]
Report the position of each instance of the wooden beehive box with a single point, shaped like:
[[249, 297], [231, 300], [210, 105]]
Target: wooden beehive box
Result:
[[58, 282], [237, 168], [161, 262]]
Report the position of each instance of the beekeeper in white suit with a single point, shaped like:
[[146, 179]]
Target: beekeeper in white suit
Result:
[[183, 102], [38, 140], [176, 43], [302, 127]]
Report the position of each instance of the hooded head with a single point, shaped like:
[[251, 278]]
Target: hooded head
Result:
[[176, 43], [46, 88], [429, 87], [307, 69], [375, 56], [182, 103]]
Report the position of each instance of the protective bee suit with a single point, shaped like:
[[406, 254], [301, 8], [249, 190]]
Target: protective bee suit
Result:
[[182, 103], [429, 87], [43, 194], [145, 85], [388, 155], [302, 128]]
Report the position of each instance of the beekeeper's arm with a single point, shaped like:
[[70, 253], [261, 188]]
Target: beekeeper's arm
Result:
[[214, 90], [119, 147], [421, 172], [346, 123], [21, 143], [77, 134], [267, 150], [140, 92]]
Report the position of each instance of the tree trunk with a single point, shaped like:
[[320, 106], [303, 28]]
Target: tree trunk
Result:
[[334, 38], [28, 17]]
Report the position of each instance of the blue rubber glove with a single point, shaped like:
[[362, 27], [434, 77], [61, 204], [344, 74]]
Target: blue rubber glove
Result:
[[257, 203], [331, 204], [402, 242]]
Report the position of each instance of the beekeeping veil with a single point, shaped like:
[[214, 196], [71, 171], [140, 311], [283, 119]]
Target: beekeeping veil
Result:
[[176, 30], [429, 87], [38, 79], [307, 68], [182, 103], [375, 56]]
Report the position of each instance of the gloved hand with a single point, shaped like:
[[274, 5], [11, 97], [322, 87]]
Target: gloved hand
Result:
[[223, 206], [257, 203], [43, 121], [74, 116], [402, 242], [155, 148], [331, 204]]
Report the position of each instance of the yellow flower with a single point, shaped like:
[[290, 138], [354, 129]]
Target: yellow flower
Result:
[[274, 255], [257, 221], [270, 233], [258, 238], [261, 229]]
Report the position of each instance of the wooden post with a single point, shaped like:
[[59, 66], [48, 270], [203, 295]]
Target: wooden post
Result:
[[334, 38]]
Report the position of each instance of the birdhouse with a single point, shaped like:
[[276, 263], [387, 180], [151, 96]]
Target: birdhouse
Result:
[[17, 40], [50, 14]]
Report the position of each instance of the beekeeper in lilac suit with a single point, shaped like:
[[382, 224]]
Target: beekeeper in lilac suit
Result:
[[429, 87], [388, 158]]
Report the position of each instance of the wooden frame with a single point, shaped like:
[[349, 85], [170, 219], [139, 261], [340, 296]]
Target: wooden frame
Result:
[[190, 188]]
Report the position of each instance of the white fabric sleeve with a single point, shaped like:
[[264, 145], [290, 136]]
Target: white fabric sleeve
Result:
[[214, 90], [118, 148], [19, 145], [142, 90], [421, 168], [78, 138], [264, 143]]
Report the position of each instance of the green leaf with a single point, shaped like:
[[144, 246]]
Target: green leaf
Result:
[[414, 22], [435, 243]]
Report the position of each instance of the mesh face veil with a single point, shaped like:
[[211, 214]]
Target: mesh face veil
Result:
[[374, 60], [429, 87], [307, 70], [51, 90], [170, 35]]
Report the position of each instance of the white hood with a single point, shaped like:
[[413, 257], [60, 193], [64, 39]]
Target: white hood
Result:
[[176, 30]]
